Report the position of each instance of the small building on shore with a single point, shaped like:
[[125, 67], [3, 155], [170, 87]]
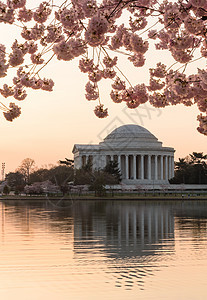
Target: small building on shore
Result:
[[141, 157]]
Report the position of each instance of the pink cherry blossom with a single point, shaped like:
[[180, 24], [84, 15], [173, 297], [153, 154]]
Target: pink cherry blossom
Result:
[[116, 40], [140, 91], [95, 75], [47, 84], [172, 19], [159, 71], [26, 81], [138, 23], [3, 68], [37, 59], [7, 91], [86, 65], [89, 8], [155, 84], [119, 84], [16, 3], [19, 93], [198, 3], [194, 26], [203, 75], [108, 62], [6, 14], [54, 34], [138, 45], [116, 96], [25, 15], [96, 31], [91, 91], [68, 50], [108, 73], [36, 83], [158, 100], [202, 124], [42, 12], [100, 112], [16, 58], [181, 56], [97, 26], [133, 103], [137, 59], [68, 17], [12, 113], [32, 47]]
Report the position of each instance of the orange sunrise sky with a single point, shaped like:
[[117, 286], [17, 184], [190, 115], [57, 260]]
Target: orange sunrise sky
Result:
[[52, 122]]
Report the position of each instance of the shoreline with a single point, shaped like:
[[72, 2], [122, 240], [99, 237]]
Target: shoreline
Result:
[[109, 198]]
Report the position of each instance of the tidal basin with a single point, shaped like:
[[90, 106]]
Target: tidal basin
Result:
[[87, 250]]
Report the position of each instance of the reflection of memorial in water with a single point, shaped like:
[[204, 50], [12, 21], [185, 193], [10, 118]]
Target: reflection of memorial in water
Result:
[[125, 226], [138, 230], [134, 237]]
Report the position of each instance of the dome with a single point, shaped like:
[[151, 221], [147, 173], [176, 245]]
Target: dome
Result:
[[130, 131], [131, 136]]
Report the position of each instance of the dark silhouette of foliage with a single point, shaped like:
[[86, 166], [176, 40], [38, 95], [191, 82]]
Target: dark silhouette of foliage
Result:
[[6, 190], [39, 175], [113, 169], [14, 179], [191, 170], [83, 176], [67, 162]]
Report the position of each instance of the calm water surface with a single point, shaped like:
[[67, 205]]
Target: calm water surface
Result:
[[103, 250]]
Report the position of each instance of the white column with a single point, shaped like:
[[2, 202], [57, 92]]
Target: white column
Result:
[[169, 167], [127, 166], [134, 166], [172, 166], [87, 158], [156, 169], [149, 167], [161, 167], [142, 166], [166, 168], [119, 162], [105, 161]]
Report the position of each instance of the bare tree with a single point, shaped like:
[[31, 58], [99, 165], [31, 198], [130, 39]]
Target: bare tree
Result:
[[26, 167]]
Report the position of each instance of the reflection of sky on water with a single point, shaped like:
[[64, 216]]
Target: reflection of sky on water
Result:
[[116, 244]]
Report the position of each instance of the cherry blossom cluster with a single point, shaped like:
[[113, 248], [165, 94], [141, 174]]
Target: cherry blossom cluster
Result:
[[94, 31]]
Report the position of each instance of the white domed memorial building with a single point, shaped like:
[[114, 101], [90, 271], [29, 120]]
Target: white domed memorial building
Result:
[[141, 157]]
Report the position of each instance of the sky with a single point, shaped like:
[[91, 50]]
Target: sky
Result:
[[52, 122]]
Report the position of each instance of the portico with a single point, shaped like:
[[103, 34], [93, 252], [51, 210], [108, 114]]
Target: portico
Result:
[[141, 157]]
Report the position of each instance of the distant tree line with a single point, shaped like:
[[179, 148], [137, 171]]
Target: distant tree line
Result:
[[32, 180], [191, 169]]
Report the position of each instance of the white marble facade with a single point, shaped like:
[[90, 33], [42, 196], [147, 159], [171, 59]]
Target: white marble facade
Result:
[[141, 157]]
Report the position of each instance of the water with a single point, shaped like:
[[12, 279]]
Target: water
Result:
[[103, 250]]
